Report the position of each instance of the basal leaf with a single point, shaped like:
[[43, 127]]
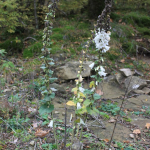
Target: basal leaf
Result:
[[45, 109], [96, 96], [86, 102]]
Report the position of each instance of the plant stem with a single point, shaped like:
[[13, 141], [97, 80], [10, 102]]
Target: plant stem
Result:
[[54, 131], [73, 133], [77, 130]]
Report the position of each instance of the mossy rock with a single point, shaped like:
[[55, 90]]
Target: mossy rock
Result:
[[33, 49], [57, 36]]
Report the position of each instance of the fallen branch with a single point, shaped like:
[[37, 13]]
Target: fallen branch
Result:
[[29, 38]]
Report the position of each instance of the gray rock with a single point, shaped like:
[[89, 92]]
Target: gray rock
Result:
[[60, 87], [146, 90], [77, 145], [138, 102], [110, 78], [119, 77], [70, 70], [92, 57], [133, 82], [138, 91], [31, 148], [127, 72], [32, 143], [138, 73], [59, 56]]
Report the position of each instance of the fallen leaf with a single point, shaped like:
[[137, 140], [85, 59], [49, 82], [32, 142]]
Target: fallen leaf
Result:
[[126, 142], [122, 60], [30, 109], [131, 136], [120, 20], [147, 125], [7, 90], [35, 125], [98, 91], [139, 40], [133, 58], [136, 131], [71, 103], [112, 120], [41, 133], [59, 128], [106, 140], [111, 20]]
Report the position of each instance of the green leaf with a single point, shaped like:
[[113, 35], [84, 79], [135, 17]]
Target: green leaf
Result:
[[93, 76], [52, 79], [96, 96], [92, 111], [86, 91], [45, 109], [86, 102], [51, 63]]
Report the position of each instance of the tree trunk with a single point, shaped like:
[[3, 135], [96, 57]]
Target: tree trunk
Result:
[[35, 15], [95, 8]]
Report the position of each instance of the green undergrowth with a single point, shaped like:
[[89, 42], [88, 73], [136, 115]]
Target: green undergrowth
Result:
[[137, 19], [69, 35]]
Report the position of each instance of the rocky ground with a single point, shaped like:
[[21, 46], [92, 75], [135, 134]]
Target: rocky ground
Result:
[[126, 86]]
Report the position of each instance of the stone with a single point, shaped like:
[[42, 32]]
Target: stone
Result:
[[126, 71], [109, 78], [77, 145], [31, 148], [146, 90], [133, 82], [138, 73], [138, 91], [60, 87], [70, 70], [32, 143], [119, 77], [138, 102], [121, 132]]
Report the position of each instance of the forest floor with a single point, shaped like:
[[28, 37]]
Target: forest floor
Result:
[[21, 126]]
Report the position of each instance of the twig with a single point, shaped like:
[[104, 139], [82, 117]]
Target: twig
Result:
[[126, 92], [29, 38], [100, 122], [65, 127], [35, 146]]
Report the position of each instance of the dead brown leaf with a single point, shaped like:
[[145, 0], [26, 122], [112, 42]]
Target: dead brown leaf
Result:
[[35, 125], [126, 142], [122, 60], [120, 20], [147, 125], [106, 140], [139, 40], [111, 20], [136, 131], [98, 91], [41, 133]]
